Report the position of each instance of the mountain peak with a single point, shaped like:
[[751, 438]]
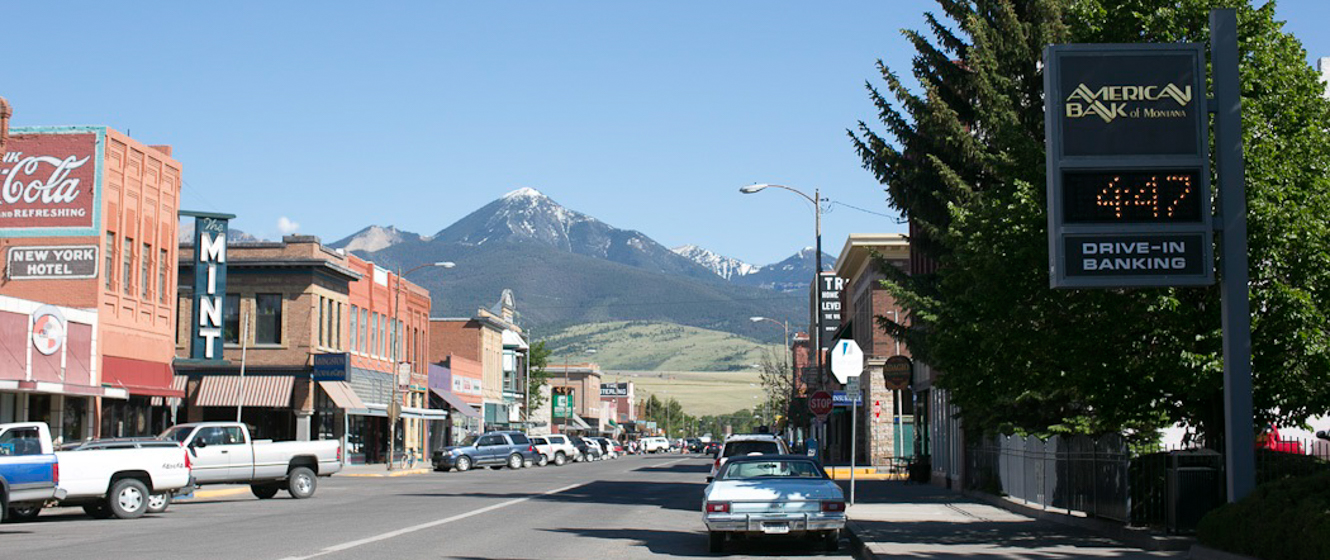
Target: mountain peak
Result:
[[524, 192], [374, 238], [725, 267]]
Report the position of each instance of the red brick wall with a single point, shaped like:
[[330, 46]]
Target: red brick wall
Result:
[[459, 338]]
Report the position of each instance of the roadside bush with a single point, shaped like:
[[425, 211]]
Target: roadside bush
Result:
[[1287, 519]]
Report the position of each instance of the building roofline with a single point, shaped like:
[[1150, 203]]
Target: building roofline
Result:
[[858, 245]]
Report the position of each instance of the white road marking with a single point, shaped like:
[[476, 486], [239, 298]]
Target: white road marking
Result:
[[435, 523]]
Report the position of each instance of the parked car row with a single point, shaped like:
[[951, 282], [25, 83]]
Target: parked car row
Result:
[[516, 450], [127, 477]]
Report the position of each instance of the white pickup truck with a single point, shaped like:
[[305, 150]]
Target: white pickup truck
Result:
[[106, 482], [224, 453]]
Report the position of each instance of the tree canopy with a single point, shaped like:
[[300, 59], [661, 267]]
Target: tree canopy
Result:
[[962, 155]]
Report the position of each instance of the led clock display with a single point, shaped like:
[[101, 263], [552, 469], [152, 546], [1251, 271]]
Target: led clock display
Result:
[[1131, 197]]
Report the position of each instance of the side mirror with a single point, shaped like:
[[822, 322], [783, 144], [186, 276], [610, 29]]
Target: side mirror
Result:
[[198, 443]]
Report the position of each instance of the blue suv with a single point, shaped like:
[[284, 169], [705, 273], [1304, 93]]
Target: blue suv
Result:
[[492, 449]]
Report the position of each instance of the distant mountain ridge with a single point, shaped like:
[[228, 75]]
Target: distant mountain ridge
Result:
[[725, 267], [567, 268]]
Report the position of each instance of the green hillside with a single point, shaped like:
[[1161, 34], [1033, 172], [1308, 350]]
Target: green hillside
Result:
[[701, 393], [652, 346]]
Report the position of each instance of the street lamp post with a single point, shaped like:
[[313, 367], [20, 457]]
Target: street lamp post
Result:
[[817, 276], [396, 340]]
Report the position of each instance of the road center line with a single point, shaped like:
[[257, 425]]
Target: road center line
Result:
[[406, 530]]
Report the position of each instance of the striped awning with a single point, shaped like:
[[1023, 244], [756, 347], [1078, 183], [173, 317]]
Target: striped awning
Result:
[[177, 384], [272, 391]]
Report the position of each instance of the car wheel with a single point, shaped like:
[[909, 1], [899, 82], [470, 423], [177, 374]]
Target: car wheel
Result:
[[97, 511], [514, 461], [264, 491], [560, 459], [463, 463], [716, 541], [543, 461], [128, 499], [831, 541], [157, 503], [301, 483], [22, 512]]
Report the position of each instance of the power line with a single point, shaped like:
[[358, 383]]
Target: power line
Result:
[[852, 207]]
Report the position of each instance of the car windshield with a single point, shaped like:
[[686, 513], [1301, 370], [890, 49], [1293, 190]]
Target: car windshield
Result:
[[740, 448], [177, 434], [793, 468]]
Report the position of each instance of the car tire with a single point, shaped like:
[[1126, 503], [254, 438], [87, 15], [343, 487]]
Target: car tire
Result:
[[97, 511], [301, 483], [716, 542], [543, 461], [22, 512], [560, 459], [264, 491], [157, 503], [128, 499], [515, 461], [463, 464], [831, 541]]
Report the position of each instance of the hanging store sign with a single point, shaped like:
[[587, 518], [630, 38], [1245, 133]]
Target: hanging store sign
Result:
[[63, 262], [331, 367], [210, 232], [48, 330], [1128, 166], [897, 373], [831, 287], [613, 389]]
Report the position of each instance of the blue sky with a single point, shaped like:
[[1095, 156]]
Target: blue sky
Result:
[[647, 115]]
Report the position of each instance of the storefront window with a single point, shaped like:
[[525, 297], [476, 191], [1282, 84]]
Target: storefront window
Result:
[[268, 328], [76, 411], [231, 319]]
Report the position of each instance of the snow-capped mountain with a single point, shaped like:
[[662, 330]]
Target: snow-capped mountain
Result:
[[186, 233], [526, 216], [789, 275], [726, 267], [374, 238]]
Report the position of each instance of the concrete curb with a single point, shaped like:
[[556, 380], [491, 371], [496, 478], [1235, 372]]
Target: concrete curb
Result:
[[387, 474], [220, 493], [858, 548], [1202, 552], [1137, 538]]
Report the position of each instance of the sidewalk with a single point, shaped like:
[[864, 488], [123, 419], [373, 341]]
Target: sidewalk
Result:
[[893, 519]]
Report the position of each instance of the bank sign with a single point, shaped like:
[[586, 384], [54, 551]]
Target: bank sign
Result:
[[50, 182], [1128, 166]]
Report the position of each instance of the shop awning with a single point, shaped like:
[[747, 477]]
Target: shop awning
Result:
[[139, 377], [342, 395], [579, 423], [457, 403], [273, 391], [177, 384], [424, 413]]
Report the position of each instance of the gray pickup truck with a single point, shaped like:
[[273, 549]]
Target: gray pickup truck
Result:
[[224, 453]]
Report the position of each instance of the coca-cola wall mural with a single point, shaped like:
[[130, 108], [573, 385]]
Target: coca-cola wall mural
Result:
[[51, 182]]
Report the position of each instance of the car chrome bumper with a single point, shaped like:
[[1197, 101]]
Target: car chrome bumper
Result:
[[753, 522]]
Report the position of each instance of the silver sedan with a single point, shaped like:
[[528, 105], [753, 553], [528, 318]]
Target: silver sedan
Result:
[[763, 495]]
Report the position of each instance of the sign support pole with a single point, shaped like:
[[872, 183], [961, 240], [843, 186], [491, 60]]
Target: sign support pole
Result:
[[1239, 436], [854, 440]]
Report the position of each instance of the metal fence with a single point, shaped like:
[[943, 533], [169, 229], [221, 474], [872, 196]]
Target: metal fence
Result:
[[1105, 477]]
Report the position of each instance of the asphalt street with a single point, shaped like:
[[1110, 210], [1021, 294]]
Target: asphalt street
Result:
[[634, 507]]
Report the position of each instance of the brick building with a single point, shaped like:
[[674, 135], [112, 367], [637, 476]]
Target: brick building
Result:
[[886, 420], [584, 381], [495, 340], [315, 330], [96, 230]]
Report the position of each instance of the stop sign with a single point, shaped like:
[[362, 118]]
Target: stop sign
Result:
[[820, 404]]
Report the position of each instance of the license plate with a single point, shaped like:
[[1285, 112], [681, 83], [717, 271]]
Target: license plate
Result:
[[775, 528]]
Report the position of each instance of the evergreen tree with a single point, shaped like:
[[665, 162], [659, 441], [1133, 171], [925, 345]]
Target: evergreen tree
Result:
[[964, 158]]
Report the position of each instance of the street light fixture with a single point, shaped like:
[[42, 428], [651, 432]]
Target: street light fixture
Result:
[[397, 341], [817, 217]]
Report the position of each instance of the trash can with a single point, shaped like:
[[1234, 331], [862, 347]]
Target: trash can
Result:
[[1194, 488]]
